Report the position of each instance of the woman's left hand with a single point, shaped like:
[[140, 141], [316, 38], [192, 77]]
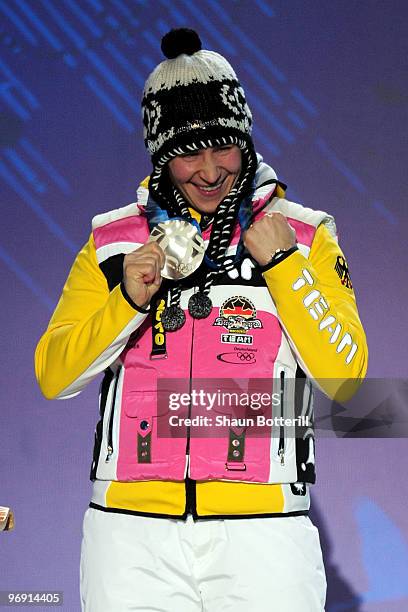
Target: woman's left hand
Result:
[[268, 234]]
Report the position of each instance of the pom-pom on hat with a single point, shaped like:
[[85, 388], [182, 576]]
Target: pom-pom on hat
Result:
[[183, 40]]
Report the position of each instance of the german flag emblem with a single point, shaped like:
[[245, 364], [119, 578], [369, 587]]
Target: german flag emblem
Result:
[[342, 270]]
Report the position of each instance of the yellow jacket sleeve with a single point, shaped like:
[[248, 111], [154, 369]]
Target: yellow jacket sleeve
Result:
[[87, 332], [319, 315]]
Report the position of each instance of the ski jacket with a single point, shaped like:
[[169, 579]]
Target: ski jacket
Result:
[[282, 326]]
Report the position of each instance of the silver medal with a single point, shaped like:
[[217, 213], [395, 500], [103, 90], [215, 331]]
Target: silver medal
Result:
[[183, 247]]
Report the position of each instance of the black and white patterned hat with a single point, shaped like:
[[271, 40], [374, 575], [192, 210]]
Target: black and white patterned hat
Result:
[[193, 100], [194, 93]]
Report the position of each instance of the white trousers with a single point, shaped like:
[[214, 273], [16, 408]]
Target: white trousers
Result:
[[165, 565]]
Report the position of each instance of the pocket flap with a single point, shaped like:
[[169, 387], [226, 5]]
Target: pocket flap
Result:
[[141, 404]]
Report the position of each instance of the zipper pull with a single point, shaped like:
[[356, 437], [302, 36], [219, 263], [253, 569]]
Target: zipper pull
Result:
[[281, 453], [108, 456]]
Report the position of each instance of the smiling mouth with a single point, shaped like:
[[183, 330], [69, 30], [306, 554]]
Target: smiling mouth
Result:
[[211, 190]]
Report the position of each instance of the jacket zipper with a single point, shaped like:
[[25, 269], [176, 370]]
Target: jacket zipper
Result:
[[281, 448], [190, 484], [191, 378], [112, 413]]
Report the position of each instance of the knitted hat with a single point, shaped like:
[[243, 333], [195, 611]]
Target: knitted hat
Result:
[[193, 94], [191, 101]]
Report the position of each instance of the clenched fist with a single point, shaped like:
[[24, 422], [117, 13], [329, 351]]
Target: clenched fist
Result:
[[142, 273], [265, 236]]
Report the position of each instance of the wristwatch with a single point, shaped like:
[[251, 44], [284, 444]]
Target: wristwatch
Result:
[[278, 256]]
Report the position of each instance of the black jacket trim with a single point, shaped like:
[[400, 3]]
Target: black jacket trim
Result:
[[273, 182], [249, 516], [198, 517], [274, 262], [136, 512], [130, 301], [103, 393]]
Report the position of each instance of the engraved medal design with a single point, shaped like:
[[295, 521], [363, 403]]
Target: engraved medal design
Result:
[[183, 247]]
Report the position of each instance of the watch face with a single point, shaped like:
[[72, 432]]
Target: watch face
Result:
[[278, 254], [182, 245]]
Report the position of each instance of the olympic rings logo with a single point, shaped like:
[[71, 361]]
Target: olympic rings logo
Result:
[[239, 357], [245, 356]]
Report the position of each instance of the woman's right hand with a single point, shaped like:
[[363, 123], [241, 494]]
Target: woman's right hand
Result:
[[142, 273]]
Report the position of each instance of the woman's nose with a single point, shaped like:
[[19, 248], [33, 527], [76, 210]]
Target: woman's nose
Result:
[[209, 170]]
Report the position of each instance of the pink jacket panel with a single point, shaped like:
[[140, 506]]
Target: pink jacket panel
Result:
[[140, 407], [122, 230], [236, 365]]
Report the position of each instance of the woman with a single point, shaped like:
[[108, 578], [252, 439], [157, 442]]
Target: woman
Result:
[[267, 304]]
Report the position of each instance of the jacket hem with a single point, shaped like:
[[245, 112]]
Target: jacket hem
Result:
[[137, 512], [198, 517], [209, 517]]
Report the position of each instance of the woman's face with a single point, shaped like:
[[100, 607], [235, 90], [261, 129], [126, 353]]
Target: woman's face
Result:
[[206, 176]]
